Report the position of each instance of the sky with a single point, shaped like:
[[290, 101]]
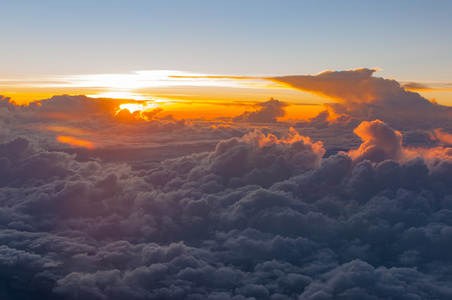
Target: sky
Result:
[[225, 150], [54, 40]]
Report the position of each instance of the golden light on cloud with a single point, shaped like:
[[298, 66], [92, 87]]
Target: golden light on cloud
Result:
[[144, 110], [443, 137], [75, 142]]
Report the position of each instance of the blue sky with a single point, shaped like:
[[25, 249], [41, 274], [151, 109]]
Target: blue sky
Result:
[[409, 40]]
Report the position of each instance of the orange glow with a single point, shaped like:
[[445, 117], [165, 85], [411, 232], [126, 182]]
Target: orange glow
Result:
[[302, 112], [75, 142], [190, 110], [445, 138], [211, 110], [430, 156]]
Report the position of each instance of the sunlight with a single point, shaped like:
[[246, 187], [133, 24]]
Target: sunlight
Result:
[[139, 80], [133, 107], [155, 78], [75, 142]]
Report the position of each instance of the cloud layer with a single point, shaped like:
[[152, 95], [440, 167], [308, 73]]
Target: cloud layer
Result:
[[178, 209], [258, 217]]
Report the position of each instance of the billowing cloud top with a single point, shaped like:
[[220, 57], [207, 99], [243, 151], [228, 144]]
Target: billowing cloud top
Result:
[[346, 86], [268, 113], [367, 97]]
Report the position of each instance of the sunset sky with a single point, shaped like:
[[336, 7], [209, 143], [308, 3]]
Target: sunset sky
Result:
[[128, 49], [219, 150]]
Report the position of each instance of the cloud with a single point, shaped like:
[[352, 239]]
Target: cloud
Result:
[[444, 137], [420, 86], [179, 209], [257, 216], [94, 122], [380, 142], [359, 280], [337, 85], [66, 106], [268, 113], [365, 97]]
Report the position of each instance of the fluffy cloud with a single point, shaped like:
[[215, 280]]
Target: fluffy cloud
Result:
[[352, 86], [444, 138], [177, 209], [268, 113], [258, 216], [94, 122], [380, 142], [365, 97]]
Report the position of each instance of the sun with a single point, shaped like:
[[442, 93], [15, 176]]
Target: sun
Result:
[[144, 110], [132, 107]]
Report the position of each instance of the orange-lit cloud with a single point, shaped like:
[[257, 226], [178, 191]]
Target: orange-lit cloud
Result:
[[345, 86], [443, 137], [365, 97], [181, 94], [135, 114], [137, 110], [380, 142], [75, 142]]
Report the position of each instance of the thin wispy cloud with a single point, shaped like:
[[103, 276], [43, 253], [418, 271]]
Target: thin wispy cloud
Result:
[[427, 86]]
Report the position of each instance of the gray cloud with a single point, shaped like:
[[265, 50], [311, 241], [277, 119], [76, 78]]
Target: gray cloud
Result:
[[221, 211]]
